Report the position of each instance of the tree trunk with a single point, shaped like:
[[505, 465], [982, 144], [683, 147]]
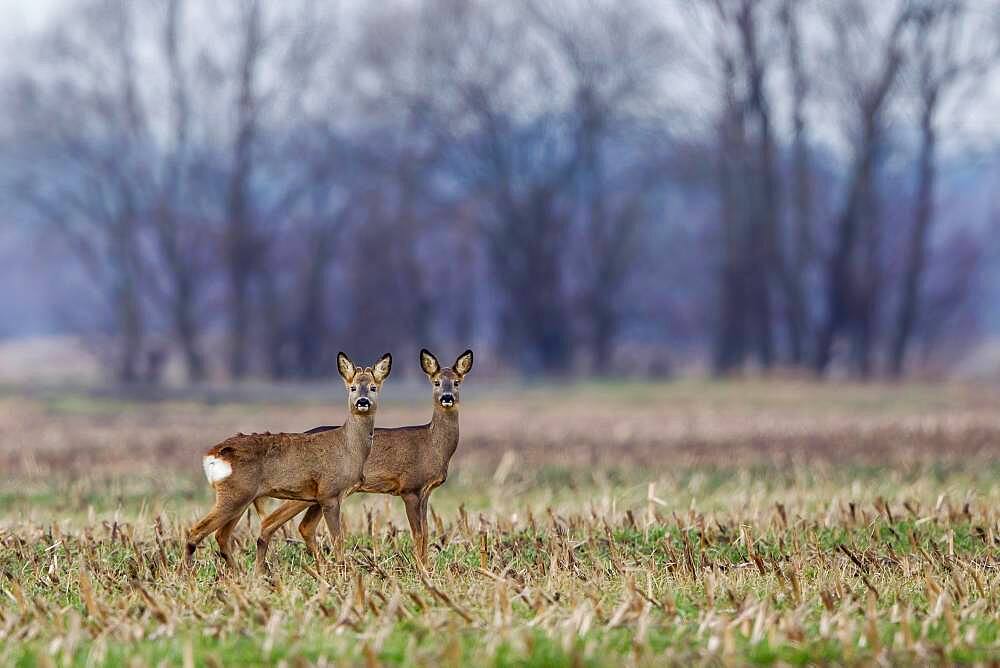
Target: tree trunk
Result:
[[731, 330], [466, 298], [525, 250], [801, 238], [238, 316], [273, 318], [604, 325], [312, 314], [127, 306], [840, 284], [916, 258], [130, 331], [868, 286], [550, 338], [181, 273], [842, 295], [186, 325], [766, 261], [240, 245]]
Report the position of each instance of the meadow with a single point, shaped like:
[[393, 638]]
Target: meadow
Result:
[[780, 522]]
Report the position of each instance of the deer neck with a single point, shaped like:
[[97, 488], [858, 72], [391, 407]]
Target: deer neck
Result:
[[444, 432], [358, 432]]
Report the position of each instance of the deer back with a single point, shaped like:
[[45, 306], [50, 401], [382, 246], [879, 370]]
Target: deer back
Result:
[[300, 466], [407, 459]]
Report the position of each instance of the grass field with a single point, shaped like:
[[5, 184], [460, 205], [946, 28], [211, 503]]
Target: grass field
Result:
[[691, 522]]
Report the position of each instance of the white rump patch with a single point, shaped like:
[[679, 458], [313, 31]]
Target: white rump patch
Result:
[[216, 469]]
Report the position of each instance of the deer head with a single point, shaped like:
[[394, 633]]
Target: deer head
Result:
[[363, 384], [447, 380]]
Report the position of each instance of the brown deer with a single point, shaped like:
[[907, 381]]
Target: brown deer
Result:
[[409, 462], [320, 468]]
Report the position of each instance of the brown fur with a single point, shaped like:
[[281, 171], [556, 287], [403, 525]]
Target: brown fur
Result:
[[409, 462], [320, 468]]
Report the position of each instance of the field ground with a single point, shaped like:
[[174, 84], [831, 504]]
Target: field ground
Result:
[[690, 522]]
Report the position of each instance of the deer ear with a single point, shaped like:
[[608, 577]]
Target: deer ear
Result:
[[382, 368], [346, 367], [463, 364], [428, 362]]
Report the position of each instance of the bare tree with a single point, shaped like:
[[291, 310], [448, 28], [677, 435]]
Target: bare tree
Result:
[[615, 56], [408, 141], [752, 270], [524, 163], [86, 180], [277, 155], [850, 292], [173, 231], [242, 248], [947, 55], [533, 173]]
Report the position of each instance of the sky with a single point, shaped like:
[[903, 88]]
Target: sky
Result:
[[975, 124], [19, 17]]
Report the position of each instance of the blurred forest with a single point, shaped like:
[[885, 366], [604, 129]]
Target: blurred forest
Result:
[[576, 186]]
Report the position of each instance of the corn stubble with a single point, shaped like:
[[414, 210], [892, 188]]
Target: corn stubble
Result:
[[767, 583], [713, 554]]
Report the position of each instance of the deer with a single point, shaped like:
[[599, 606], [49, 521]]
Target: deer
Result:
[[409, 462], [320, 468]]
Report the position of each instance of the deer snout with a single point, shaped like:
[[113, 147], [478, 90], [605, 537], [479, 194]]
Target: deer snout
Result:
[[447, 399], [363, 404]]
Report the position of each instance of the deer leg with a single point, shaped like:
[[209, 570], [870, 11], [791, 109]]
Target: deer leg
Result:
[[270, 524], [412, 502], [331, 512], [260, 507], [307, 529], [224, 537], [258, 503], [224, 510], [422, 514]]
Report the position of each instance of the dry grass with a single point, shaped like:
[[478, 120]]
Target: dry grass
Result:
[[692, 522]]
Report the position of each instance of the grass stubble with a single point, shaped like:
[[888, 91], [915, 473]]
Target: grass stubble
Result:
[[749, 539]]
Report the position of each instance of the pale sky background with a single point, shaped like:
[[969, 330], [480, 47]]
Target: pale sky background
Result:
[[18, 17], [973, 127]]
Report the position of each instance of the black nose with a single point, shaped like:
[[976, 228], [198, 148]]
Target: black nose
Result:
[[447, 399], [363, 402]]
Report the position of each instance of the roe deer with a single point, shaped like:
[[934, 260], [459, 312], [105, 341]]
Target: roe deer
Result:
[[405, 461], [319, 468]]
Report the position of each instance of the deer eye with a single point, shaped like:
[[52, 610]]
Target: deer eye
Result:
[[457, 383], [437, 383], [373, 389], [354, 388]]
